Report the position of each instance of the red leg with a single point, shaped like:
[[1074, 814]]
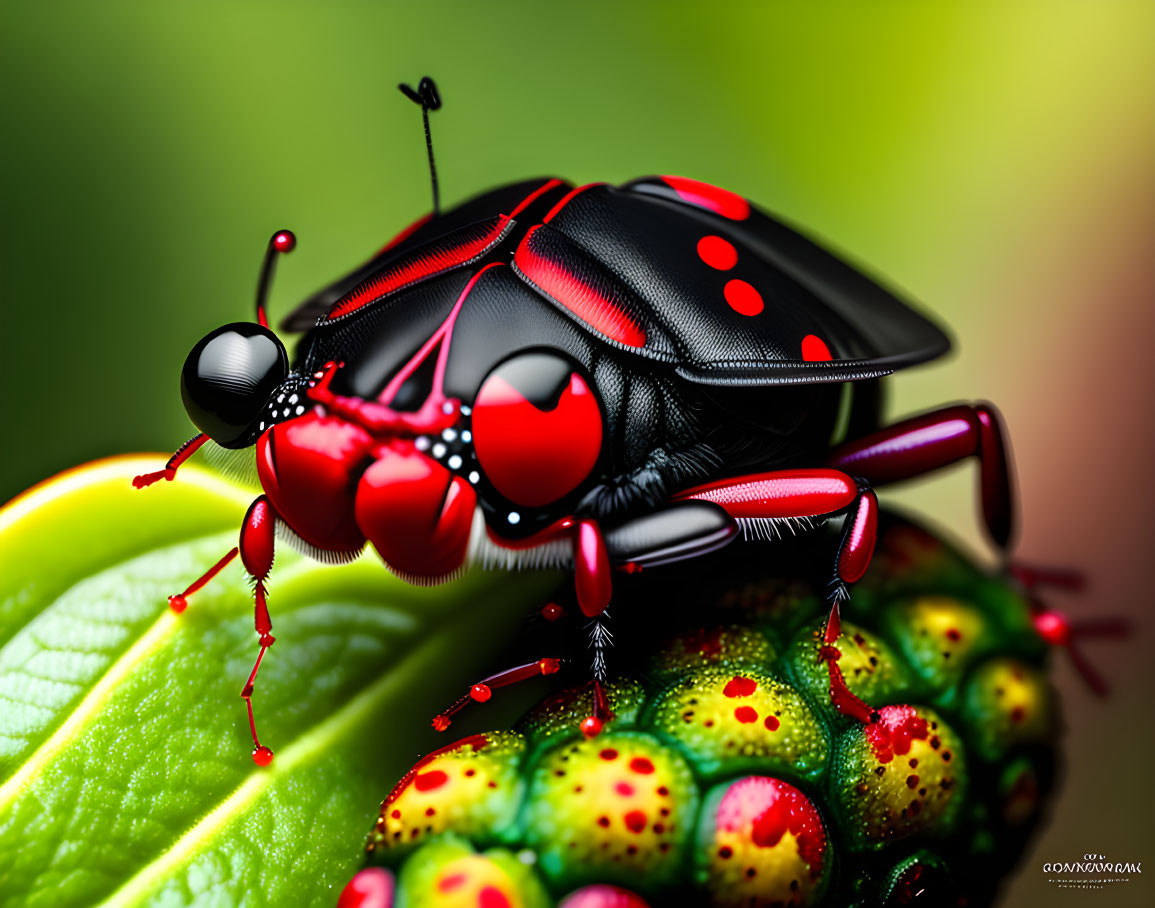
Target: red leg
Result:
[[257, 543], [933, 440], [761, 499], [483, 690], [179, 602], [183, 453]]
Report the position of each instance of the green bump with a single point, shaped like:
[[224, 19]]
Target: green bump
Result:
[[716, 646], [899, 777], [741, 720], [617, 807], [447, 873], [940, 636], [472, 788], [870, 667], [1007, 704]]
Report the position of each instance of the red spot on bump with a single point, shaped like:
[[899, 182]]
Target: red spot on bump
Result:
[[717, 252], [635, 821], [451, 882], [1018, 714], [427, 781], [625, 789], [814, 349], [954, 635], [609, 754], [396, 814], [492, 897], [892, 734], [642, 765], [740, 687], [720, 201], [763, 809], [743, 298], [746, 714], [912, 781], [772, 723]]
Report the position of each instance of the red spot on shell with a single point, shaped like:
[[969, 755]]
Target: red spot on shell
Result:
[[642, 765], [451, 882], [635, 821], [740, 687], [772, 723], [746, 714], [717, 252], [609, 754], [743, 298], [396, 814], [892, 734], [814, 349], [912, 781], [427, 781], [492, 897], [625, 789], [712, 198]]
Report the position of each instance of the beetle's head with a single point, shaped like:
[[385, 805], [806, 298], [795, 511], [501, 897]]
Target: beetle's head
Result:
[[227, 380], [230, 374]]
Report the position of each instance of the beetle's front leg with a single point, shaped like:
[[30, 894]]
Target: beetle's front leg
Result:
[[762, 502], [924, 443], [257, 549]]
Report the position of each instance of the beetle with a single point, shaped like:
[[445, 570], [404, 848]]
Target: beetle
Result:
[[599, 378]]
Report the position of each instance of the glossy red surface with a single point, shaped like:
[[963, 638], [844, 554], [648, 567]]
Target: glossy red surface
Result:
[[534, 457], [306, 467], [592, 578], [780, 493], [417, 514]]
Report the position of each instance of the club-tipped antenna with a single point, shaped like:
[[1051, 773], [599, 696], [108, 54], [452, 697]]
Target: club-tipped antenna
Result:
[[280, 242], [429, 98]]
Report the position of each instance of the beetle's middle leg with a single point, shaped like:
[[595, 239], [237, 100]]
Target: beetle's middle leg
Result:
[[793, 495]]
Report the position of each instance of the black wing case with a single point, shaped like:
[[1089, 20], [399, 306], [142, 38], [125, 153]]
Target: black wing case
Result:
[[681, 272]]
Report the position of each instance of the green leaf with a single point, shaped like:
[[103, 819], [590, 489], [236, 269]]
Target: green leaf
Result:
[[125, 770]]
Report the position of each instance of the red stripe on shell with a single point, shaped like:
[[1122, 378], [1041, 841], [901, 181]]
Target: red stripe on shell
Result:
[[600, 312]]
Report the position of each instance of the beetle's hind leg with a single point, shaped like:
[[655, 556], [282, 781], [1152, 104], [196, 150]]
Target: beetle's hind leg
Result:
[[257, 549]]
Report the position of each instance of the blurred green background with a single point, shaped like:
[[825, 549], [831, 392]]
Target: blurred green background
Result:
[[994, 159]]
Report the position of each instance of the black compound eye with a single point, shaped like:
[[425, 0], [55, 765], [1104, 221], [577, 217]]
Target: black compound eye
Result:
[[228, 377]]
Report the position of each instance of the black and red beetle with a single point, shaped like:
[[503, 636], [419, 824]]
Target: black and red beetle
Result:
[[600, 377]]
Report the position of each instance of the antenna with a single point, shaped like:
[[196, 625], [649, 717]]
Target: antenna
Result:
[[430, 99], [280, 242]]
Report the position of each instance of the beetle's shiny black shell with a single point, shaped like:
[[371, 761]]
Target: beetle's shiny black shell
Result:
[[694, 381]]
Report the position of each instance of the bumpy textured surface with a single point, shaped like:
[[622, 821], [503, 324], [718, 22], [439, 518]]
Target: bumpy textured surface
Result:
[[726, 778]]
